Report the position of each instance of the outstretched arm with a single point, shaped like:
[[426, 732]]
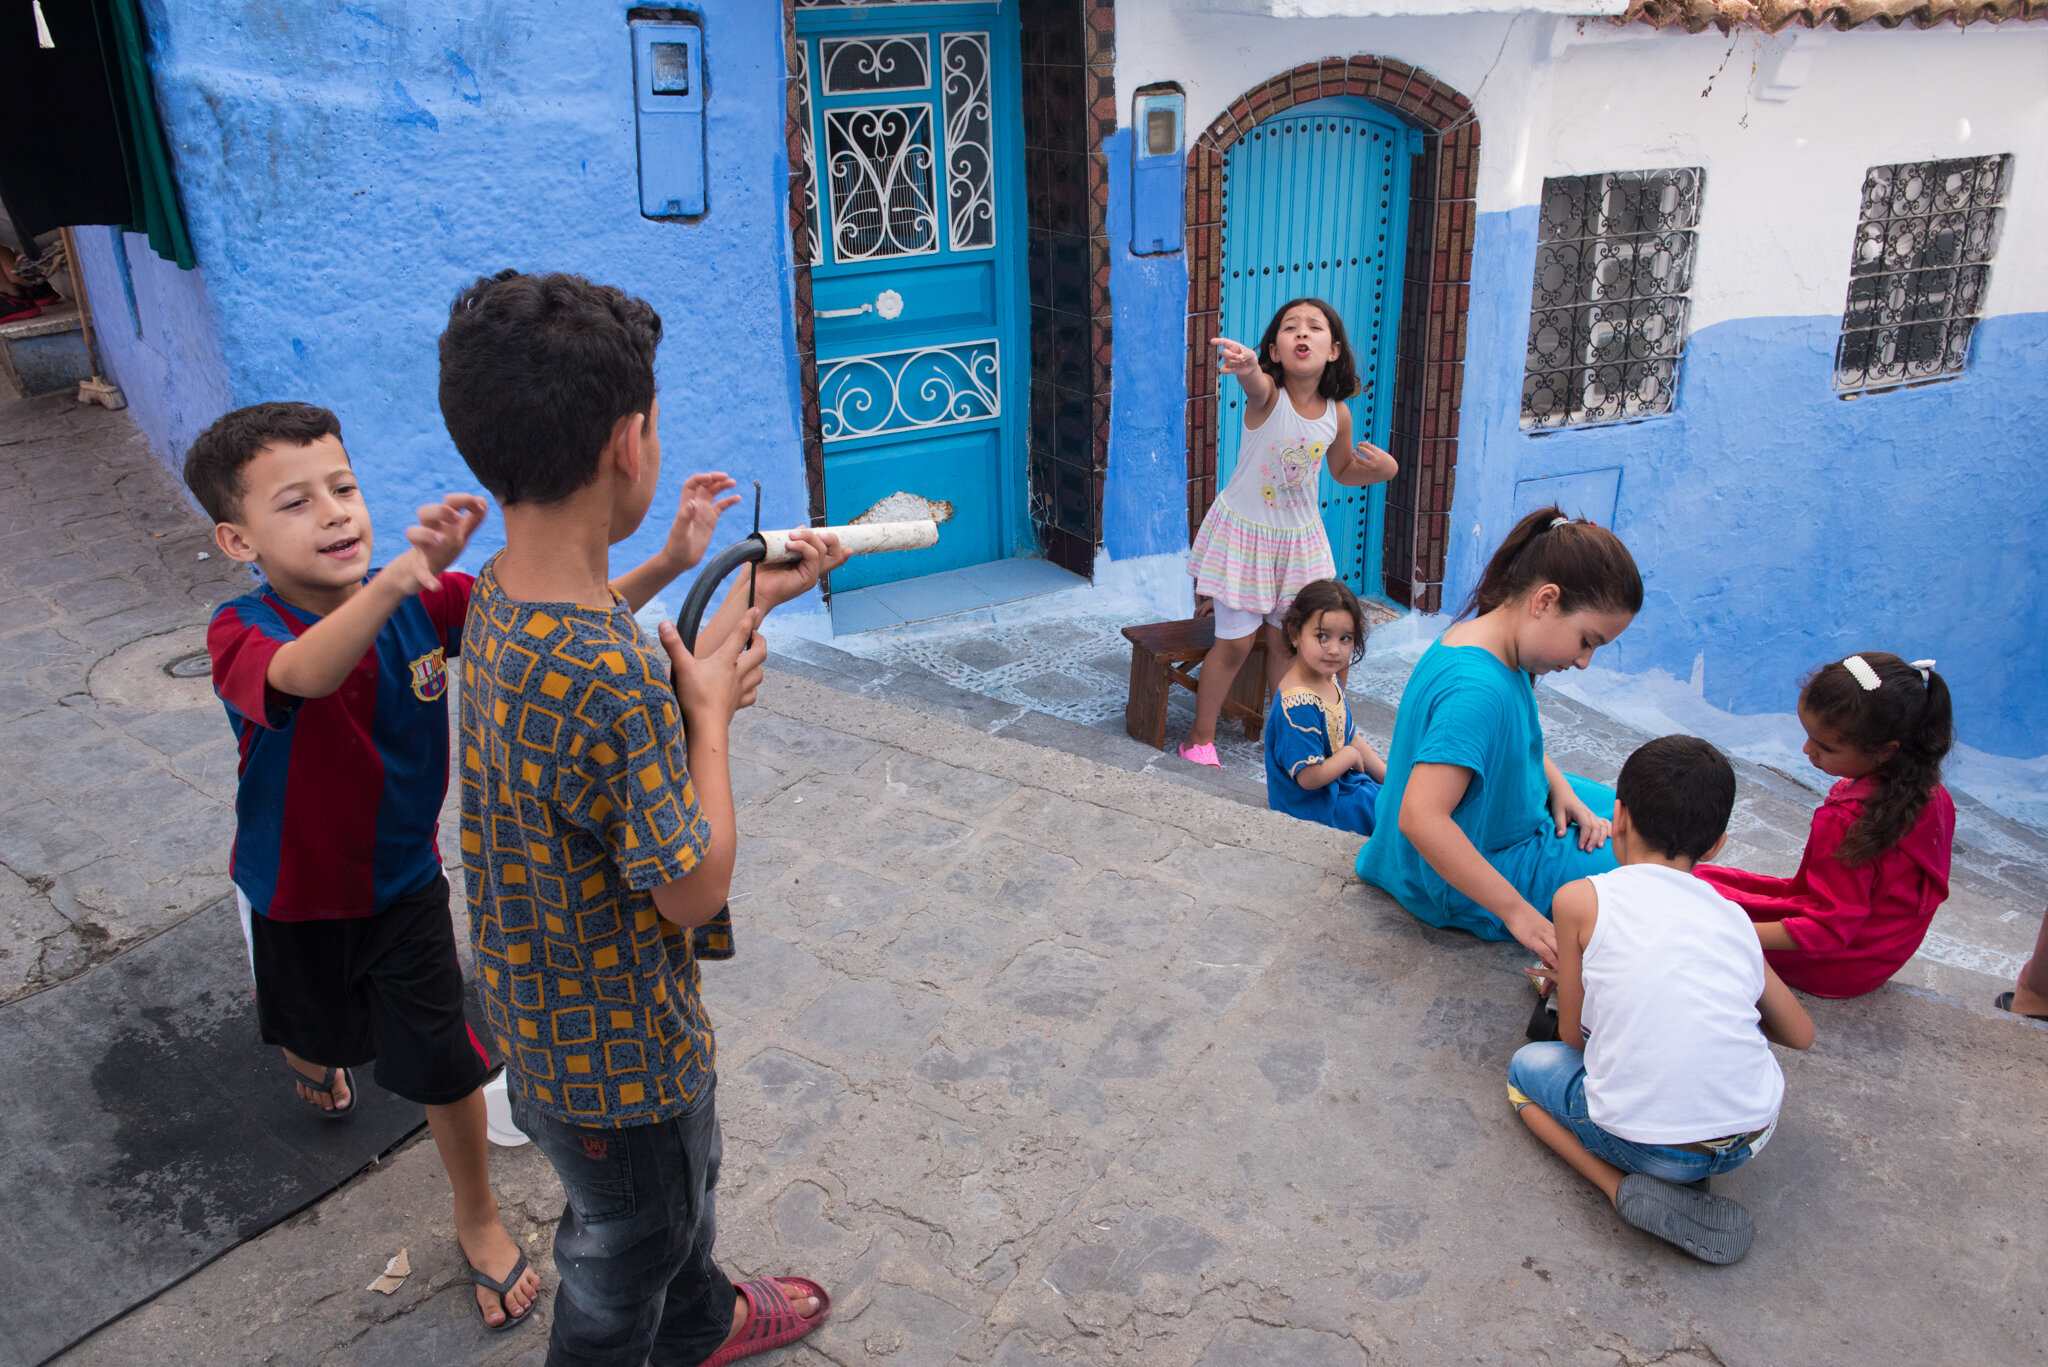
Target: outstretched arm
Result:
[[1434, 791], [320, 660], [697, 513], [1240, 360]]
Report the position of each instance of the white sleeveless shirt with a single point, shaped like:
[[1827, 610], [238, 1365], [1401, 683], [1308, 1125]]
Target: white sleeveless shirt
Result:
[[1279, 466], [1673, 972], [1263, 537]]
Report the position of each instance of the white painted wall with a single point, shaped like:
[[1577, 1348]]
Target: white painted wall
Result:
[[1785, 125]]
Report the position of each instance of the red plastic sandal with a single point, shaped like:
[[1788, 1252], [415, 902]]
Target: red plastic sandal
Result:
[[771, 1320]]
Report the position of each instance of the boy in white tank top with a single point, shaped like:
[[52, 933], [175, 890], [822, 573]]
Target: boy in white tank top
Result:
[[1664, 981]]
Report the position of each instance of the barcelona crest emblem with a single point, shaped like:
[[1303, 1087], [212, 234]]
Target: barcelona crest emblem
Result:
[[430, 675]]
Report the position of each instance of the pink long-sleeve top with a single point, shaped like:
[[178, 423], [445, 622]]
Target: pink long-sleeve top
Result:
[[1854, 927]]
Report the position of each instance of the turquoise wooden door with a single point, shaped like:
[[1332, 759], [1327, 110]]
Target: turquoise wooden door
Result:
[[1315, 203], [917, 174]]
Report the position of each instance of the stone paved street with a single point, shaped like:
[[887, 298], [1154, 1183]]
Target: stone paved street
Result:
[[114, 822], [1032, 1055]]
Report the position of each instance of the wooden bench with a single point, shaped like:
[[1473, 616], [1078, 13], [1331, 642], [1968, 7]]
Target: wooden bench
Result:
[[1160, 654]]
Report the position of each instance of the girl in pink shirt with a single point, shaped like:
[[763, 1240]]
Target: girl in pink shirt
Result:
[[1877, 859]]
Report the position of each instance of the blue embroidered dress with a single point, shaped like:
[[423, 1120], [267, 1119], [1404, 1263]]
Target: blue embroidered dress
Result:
[[1304, 729]]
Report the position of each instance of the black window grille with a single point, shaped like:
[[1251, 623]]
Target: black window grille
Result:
[[1917, 276], [1607, 316]]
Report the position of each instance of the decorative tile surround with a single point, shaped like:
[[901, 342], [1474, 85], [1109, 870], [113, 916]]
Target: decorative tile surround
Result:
[[1436, 297]]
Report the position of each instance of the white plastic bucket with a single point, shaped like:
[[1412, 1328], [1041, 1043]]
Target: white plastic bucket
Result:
[[498, 1113]]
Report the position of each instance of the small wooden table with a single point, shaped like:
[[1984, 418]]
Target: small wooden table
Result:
[[1160, 653]]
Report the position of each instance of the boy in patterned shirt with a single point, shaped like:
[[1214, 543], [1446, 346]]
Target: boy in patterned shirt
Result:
[[335, 680], [597, 821]]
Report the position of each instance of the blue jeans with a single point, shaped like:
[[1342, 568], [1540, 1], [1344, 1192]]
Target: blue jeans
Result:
[[1537, 866], [1553, 1076], [636, 1283]]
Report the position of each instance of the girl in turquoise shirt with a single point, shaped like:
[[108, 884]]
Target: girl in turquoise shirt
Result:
[[1473, 825]]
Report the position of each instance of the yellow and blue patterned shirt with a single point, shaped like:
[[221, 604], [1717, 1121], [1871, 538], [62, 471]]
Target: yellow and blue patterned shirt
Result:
[[576, 803]]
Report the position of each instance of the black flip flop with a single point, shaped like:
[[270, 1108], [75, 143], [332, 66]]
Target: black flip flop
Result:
[[501, 1286], [1713, 1229], [326, 1088], [2003, 1001]]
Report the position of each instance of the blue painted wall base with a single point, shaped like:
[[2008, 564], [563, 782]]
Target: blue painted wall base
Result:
[[1779, 526]]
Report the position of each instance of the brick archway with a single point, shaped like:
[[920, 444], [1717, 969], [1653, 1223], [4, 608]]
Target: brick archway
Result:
[[1436, 296]]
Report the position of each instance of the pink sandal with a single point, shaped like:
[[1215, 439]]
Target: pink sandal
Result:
[[771, 1320], [1200, 754]]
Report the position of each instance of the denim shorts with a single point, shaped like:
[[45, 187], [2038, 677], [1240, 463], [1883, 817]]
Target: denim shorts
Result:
[[1553, 1076], [636, 1281]]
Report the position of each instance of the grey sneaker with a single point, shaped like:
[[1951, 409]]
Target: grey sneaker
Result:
[[1713, 1229]]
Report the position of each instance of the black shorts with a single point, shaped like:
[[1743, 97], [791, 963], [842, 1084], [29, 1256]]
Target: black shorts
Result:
[[386, 987]]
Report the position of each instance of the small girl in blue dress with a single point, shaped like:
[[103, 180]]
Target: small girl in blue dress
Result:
[[1317, 766], [1475, 824]]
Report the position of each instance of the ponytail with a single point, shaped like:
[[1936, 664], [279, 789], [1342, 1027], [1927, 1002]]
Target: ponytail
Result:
[[1910, 705], [1591, 568]]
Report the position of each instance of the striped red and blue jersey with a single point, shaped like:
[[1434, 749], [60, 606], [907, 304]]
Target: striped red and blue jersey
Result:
[[339, 797]]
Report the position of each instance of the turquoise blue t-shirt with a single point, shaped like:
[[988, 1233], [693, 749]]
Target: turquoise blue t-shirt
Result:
[[1463, 706]]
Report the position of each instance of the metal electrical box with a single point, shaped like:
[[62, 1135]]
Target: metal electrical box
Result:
[[668, 100], [1158, 178]]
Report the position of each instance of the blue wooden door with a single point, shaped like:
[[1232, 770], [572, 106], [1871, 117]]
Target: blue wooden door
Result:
[[917, 175], [1315, 203]]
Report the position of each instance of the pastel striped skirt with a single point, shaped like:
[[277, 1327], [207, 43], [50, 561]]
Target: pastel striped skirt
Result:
[[1253, 567]]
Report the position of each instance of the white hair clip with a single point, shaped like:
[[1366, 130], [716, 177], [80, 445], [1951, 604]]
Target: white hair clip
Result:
[[1860, 670], [1559, 521], [1924, 666]]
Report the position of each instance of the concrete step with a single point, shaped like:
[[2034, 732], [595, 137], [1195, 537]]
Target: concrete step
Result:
[[922, 690]]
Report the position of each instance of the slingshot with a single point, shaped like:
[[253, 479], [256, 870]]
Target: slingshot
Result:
[[773, 548]]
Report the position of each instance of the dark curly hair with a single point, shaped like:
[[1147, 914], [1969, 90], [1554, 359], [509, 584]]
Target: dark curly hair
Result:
[[213, 467], [1325, 595], [1340, 374], [1904, 708], [535, 372]]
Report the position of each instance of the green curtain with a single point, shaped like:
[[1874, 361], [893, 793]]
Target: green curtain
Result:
[[152, 187]]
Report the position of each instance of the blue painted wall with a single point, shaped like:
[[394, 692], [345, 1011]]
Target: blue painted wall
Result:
[[1144, 499], [346, 168], [1778, 526], [157, 335]]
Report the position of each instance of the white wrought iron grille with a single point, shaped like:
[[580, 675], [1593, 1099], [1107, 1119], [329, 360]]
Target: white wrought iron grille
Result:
[[880, 163], [807, 172], [1609, 306], [970, 153], [906, 391], [855, 66], [1916, 278]]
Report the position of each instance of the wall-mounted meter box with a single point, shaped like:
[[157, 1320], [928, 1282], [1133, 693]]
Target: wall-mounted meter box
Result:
[[668, 100], [1158, 172]]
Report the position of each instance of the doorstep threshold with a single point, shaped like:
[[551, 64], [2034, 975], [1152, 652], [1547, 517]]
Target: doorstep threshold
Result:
[[949, 593]]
